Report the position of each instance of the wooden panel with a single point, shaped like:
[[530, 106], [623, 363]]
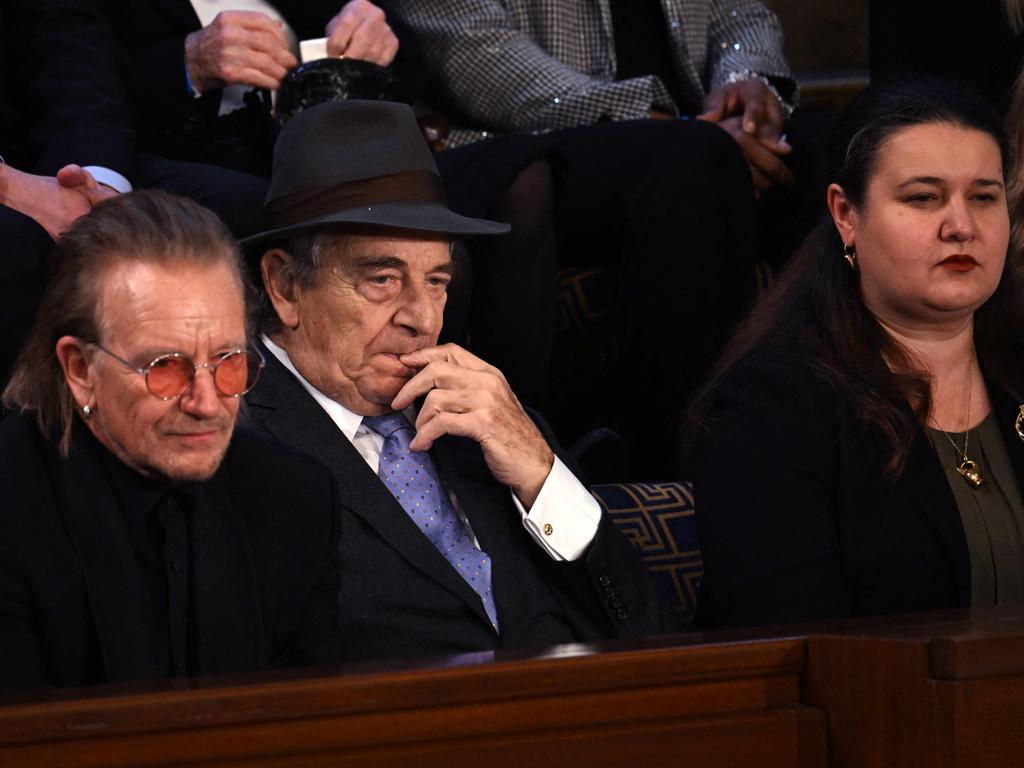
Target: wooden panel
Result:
[[940, 690], [925, 691], [872, 691], [824, 35], [988, 720], [971, 657], [658, 702]]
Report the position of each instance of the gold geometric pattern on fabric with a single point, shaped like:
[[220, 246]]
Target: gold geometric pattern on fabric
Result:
[[575, 309], [659, 519]]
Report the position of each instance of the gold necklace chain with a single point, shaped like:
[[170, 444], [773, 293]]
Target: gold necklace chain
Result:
[[967, 468]]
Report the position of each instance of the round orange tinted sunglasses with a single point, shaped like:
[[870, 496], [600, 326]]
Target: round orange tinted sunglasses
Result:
[[234, 372]]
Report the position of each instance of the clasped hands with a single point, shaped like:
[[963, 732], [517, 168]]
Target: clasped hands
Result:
[[54, 202], [465, 396], [250, 48], [752, 115]]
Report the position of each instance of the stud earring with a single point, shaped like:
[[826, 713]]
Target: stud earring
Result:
[[87, 411]]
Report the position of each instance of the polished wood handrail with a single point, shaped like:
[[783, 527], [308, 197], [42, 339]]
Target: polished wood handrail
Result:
[[940, 689]]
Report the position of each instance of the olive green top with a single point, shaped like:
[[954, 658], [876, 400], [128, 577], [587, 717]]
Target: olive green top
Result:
[[992, 515]]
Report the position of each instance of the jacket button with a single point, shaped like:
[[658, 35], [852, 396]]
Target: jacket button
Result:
[[603, 580], [622, 613]]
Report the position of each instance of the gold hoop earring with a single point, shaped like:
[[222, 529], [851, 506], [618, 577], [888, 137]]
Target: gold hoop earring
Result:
[[850, 254]]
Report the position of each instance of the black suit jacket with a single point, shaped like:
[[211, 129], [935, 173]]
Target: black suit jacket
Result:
[[796, 521], [72, 603], [61, 97], [400, 597], [150, 35]]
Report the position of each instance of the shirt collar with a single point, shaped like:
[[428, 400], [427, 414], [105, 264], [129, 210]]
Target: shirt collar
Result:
[[138, 495], [348, 421]]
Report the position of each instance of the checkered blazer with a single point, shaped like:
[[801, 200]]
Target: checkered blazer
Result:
[[531, 65]]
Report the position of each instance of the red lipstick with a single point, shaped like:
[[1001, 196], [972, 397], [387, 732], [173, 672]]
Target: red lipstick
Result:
[[959, 262]]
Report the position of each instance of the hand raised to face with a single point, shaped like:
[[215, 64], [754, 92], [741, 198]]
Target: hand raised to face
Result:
[[465, 396]]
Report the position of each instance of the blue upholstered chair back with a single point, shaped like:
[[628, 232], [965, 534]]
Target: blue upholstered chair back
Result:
[[659, 519]]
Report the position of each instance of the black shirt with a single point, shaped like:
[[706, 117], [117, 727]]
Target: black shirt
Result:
[[158, 517], [642, 44]]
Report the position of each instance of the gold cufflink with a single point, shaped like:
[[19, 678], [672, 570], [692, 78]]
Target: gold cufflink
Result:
[[549, 528]]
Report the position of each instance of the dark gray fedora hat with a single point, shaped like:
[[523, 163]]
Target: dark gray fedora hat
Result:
[[358, 162]]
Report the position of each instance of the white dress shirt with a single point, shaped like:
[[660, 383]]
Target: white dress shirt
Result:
[[232, 96], [112, 179], [563, 520]]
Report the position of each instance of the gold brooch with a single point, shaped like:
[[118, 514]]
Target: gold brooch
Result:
[[1019, 424]]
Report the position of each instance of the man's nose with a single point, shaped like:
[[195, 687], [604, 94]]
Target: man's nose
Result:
[[200, 398], [419, 310]]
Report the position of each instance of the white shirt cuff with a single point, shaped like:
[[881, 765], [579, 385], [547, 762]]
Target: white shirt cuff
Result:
[[565, 517], [112, 179]]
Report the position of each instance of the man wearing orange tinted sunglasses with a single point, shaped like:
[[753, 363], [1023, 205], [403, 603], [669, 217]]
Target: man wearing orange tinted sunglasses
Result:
[[140, 535]]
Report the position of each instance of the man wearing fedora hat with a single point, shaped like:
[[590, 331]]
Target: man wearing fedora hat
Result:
[[466, 531]]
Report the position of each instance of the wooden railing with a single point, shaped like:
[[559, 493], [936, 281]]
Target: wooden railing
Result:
[[938, 690]]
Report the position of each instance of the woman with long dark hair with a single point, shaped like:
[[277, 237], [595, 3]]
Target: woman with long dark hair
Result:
[[858, 450]]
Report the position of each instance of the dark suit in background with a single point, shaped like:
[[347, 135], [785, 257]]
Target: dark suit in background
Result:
[[966, 40], [74, 604], [62, 101], [169, 120], [400, 597], [796, 520]]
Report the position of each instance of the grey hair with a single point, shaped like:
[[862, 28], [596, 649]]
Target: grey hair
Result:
[[309, 252]]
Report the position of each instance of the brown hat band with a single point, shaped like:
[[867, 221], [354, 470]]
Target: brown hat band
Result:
[[409, 186]]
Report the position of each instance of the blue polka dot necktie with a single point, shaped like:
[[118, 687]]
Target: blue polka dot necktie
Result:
[[413, 481]]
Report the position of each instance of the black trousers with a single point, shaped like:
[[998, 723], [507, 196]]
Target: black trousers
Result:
[[25, 247], [24, 254], [668, 208], [502, 303]]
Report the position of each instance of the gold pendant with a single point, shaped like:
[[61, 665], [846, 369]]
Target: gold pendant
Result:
[[1019, 424], [969, 471]]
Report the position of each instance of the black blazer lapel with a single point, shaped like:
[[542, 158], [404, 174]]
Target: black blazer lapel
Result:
[[182, 12], [280, 405], [927, 483], [228, 621], [96, 526]]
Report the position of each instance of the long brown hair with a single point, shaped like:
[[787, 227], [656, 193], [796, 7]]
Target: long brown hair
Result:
[[816, 305], [148, 226], [1014, 10]]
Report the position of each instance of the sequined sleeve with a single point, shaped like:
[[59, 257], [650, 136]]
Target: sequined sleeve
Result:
[[517, 66], [744, 36]]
